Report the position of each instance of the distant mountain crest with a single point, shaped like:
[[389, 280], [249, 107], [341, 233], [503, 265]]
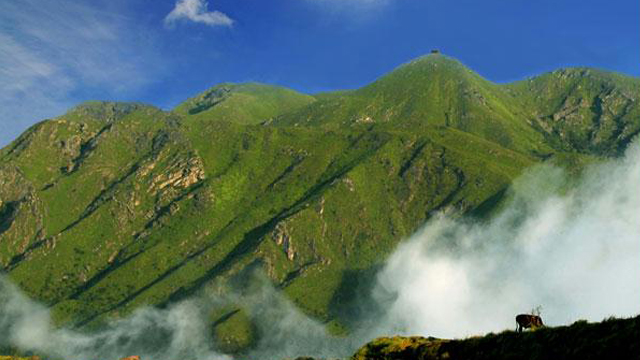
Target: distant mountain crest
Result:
[[106, 110], [247, 103]]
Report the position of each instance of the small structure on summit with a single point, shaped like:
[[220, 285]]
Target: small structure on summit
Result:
[[435, 51]]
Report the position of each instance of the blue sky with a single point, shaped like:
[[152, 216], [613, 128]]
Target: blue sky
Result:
[[57, 53]]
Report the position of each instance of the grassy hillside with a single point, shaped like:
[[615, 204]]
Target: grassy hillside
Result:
[[116, 205], [581, 109], [249, 103], [433, 90], [610, 339]]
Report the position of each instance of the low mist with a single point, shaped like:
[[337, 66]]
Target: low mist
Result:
[[570, 246], [173, 333], [180, 331]]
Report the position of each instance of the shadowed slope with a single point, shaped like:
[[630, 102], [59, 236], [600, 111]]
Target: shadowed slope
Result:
[[610, 339]]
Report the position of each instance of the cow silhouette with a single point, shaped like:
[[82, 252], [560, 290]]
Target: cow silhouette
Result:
[[527, 321]]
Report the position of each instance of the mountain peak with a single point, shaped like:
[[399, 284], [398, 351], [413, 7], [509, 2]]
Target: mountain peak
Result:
[[433, 62], [432, 90], [430, 71]]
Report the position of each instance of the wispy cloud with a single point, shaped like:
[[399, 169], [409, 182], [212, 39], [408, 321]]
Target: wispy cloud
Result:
[[54, 52], [196, 11]]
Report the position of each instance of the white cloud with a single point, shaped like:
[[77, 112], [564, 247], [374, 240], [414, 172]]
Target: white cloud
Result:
[[54, 52], [196, 11], [160, 334], [574, 251]]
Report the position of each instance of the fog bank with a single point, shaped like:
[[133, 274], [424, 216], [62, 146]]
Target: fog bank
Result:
[[173, 333], [575, 252]]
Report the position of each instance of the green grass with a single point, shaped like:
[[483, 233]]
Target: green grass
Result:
[[249, 103], [609, 339]]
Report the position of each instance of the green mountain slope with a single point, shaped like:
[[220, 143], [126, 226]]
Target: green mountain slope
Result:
[[585, 110], [116, 205], [249, 103], [433, 90]]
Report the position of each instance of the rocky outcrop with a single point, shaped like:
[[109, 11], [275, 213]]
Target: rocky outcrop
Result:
[[281, 237], [21, 214], [181, 174]]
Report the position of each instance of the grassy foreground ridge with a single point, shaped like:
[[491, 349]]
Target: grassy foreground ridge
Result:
[[609, 339]]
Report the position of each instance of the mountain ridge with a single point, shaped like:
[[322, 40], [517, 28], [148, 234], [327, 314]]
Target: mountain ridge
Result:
[[117, 205]]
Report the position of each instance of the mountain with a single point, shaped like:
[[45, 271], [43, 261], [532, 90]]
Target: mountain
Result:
[[117, 205]]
